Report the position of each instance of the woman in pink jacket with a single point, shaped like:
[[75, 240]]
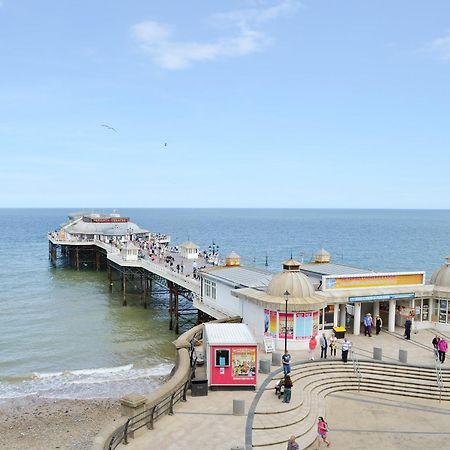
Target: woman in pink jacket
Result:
[[312, 347], [442, 347]]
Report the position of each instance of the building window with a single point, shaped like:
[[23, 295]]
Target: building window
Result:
[[222, 358], [443, 311], [210, 289]]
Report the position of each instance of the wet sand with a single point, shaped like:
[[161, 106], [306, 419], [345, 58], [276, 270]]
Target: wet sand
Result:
[[44, 424]]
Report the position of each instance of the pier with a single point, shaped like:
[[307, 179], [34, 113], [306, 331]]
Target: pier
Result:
[[134, 271]]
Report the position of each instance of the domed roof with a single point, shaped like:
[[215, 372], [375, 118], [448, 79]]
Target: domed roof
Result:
[[233, 254], [322, 256], [296, 283], [189, 244], [441, 277], [291, 264]]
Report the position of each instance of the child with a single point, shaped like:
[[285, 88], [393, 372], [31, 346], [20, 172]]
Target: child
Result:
[[322, 429]]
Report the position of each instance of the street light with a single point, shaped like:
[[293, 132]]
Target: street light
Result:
[[286, 298], [213, 248]]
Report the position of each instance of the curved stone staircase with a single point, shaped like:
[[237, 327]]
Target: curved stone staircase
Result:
[[274, 421]]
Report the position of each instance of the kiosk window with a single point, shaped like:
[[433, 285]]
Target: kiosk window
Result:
[[222, 358]]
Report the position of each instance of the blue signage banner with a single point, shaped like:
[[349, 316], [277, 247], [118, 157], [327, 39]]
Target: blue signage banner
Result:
[[378, 298]]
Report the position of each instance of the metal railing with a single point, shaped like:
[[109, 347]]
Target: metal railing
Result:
[[439, 377], [356, 367], [165, 405], [148, 417]]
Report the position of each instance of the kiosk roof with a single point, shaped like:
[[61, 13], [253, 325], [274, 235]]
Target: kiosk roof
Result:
[[228, 334]]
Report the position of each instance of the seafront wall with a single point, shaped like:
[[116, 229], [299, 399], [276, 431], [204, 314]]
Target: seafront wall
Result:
[[179, 376]]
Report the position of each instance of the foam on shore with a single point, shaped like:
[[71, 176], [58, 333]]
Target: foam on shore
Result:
[[103, 382]]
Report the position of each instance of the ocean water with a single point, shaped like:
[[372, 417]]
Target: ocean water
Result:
[[63, 335]]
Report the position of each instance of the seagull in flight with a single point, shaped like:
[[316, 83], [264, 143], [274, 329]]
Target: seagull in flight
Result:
[[109, 128]]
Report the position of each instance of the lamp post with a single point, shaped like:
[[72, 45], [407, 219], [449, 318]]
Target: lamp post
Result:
[[286, 298], [213, 248]]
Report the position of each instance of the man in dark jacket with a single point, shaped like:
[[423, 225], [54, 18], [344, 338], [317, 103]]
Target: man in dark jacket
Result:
[[408, 324]]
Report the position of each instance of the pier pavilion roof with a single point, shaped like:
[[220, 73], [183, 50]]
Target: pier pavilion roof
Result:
[[105, 229]]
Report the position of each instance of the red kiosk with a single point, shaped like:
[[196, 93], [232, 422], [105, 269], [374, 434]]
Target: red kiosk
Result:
[[231, 355]]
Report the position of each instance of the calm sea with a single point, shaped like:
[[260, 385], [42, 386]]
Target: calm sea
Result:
[[63, 335]]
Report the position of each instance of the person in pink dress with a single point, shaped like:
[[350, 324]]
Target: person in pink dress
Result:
[[322, 430], [312, 347]]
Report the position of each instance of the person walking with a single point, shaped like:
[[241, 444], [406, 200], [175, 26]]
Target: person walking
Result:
[[368, 324], [333, 345], [286, 360], [408, 325], [442, 348], [435, 343], [323, 346], [346, 345], [322, 430], [378, 324], [312, 347], [292, 444], [287, 389]]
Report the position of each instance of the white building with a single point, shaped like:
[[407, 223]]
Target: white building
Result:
[[321, 295], [102, 227], [189, 250]]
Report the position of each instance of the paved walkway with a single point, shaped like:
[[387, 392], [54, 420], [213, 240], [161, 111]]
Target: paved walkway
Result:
[[357, 420]]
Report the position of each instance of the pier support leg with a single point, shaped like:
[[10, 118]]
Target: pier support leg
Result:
[[77, 256], [124, 289], [177, 315], [170, 308], [97, 260], [110, 278]]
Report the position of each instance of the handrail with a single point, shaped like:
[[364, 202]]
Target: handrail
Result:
[[356, 368], [439, 378], [164, 406]]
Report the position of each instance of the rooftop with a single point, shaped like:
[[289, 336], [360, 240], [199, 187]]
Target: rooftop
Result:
[[240, 276], [332, 269], [228, 333]]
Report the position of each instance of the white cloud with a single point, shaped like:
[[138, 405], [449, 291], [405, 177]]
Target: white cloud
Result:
[[158, 41], [441, 46]]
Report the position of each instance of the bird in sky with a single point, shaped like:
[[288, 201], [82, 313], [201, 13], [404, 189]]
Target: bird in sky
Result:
[[109, 128], [165, 144]]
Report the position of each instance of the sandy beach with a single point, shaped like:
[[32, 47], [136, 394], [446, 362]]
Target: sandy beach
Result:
[[44, 424]]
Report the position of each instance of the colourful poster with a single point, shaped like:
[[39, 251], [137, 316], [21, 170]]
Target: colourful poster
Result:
[[303, 325], [266, 322], [270, 323], [315, 323], [243, 362], [273, 324], [282, 325]]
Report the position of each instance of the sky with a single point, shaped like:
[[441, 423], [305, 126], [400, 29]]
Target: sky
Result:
[[239, 103]]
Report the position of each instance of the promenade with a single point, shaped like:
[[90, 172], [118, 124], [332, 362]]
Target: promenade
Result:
[[357, 420]]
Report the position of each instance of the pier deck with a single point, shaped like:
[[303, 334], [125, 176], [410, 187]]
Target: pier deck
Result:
[[176, 282]]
